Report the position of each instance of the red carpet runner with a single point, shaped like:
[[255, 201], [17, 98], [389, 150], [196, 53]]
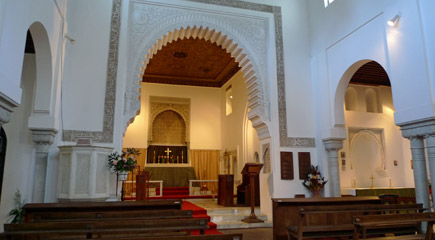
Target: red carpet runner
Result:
[[177, 193], [199, 212]]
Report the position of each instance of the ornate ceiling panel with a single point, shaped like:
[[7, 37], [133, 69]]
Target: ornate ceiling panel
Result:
[[371, 73], [192, 61]]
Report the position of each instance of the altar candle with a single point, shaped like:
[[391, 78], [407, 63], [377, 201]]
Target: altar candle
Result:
[[354, 183]]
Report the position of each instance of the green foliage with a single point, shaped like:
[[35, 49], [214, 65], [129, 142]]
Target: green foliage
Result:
[[16, 214]]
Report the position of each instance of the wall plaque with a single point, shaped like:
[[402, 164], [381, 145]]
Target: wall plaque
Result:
[[304, 164], [287, 166]]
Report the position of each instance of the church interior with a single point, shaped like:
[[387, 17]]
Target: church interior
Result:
[[273, 115]]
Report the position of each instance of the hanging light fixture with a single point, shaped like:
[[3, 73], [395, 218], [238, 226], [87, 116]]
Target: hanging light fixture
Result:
[[392, 22]]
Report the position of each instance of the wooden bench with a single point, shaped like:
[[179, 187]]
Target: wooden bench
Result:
[[108, 215], [91, 229], [31, 209], [394, 223], [315, 221], [185, 237]]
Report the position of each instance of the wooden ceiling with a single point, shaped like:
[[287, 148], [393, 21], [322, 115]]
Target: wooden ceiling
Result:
[[194, 62], [371, 73]]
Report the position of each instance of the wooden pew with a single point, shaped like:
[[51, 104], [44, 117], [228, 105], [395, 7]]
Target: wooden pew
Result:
[[185, 237], [394, 223], [91, 229], [318, 221], [109, 215], [31, 209]]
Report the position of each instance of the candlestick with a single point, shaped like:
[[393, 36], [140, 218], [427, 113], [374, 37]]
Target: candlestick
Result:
[[390, 184], [372, 178], [354, 183], [182, 157], [154, 158]]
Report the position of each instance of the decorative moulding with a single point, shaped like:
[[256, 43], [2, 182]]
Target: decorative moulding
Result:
[[252, 59]]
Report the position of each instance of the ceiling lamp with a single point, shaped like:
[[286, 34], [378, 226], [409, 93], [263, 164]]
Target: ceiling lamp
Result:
[[392, 22]]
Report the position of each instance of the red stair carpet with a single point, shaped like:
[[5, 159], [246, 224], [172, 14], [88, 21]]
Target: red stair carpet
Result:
[[177, 193], [199, 212]]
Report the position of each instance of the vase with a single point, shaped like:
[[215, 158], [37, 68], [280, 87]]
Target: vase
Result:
[[122, 176], [315, 193]]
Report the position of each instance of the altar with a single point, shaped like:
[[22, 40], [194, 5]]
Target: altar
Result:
[[405, 195], [172, 176]]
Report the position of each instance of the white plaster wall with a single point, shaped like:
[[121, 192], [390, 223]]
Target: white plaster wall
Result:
[[86, 64], [365, 35], [20, 154], [16, 17], [205, 110], [237, 130], [402, 174]]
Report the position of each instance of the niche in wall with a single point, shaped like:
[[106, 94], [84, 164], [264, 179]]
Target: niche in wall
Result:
[[367, 155]]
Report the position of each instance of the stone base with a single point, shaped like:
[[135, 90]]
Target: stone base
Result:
[[252, 220]]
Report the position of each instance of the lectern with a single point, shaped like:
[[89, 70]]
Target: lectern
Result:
[[142, 180], [252, 170]]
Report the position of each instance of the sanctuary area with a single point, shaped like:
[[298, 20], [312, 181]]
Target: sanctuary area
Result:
[[266, 111]]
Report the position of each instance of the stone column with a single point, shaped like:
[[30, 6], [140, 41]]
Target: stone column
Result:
[[332, 146], [430, 144], [4, 116], [43, 140], [420, 172]]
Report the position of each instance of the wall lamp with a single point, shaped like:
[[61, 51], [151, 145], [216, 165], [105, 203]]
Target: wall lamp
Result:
[[393, 22]]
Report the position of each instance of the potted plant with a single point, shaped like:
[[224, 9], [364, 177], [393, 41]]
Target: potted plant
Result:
[[16, 214], [124, 162], [314, 181]]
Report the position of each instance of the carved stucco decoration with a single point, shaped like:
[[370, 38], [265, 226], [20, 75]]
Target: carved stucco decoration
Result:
[[153, 26], [258, 114], [182, 109]]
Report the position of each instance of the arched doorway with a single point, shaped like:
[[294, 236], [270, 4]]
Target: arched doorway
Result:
[[204, 82], [3, 143], [374, 155]]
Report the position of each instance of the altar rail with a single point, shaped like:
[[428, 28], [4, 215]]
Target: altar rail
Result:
[[203, 187], [155, 188]]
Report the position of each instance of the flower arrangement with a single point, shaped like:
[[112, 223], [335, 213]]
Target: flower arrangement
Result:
[[125, 161], [314, 180], [17, 213]]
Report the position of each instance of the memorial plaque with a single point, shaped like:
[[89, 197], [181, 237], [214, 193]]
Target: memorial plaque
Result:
[[304, 164], [287, 166]]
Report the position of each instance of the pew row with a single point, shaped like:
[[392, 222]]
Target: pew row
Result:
[[319, 221], [32, 209], [390, 222], [99, 229]]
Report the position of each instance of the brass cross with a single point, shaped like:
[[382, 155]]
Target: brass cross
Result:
[[372, 178], [167, 152]]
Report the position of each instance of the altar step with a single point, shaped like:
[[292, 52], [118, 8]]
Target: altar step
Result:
[[171, 191]]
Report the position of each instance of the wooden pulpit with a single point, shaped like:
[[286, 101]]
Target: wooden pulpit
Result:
[[252, 170], [142, 179], [226, 190]]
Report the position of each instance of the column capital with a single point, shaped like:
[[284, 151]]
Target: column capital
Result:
[[333, 144], [418, 128], [6, 107], [4, 116], [43, 139]]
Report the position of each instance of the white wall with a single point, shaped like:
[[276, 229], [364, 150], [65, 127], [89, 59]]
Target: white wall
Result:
[[85, 68], [205, 110], [393, 142], [20, 154]]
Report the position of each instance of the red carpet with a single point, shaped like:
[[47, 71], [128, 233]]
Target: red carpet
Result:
[[199, 212], [177, 193]]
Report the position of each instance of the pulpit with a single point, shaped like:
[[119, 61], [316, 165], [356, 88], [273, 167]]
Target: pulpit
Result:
[[226, 190]]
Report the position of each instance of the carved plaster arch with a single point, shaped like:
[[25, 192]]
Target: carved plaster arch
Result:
[[168, 107], [152, 29], [373, 135]]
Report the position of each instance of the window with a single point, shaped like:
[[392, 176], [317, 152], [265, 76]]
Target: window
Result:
[[327, 2], [229, 100]]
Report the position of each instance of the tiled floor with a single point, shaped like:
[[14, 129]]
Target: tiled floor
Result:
[[212, 204], [253, 233]]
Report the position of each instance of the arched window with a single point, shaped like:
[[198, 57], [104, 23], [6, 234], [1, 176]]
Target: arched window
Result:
[[371, 101], [350, 99]]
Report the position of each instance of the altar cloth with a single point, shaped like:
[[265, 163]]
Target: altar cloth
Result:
[[172, 176]]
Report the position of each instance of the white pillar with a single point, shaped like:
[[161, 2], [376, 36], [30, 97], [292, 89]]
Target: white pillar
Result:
[[43, 140], [332, 146], [430, 144], [420, 172]]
